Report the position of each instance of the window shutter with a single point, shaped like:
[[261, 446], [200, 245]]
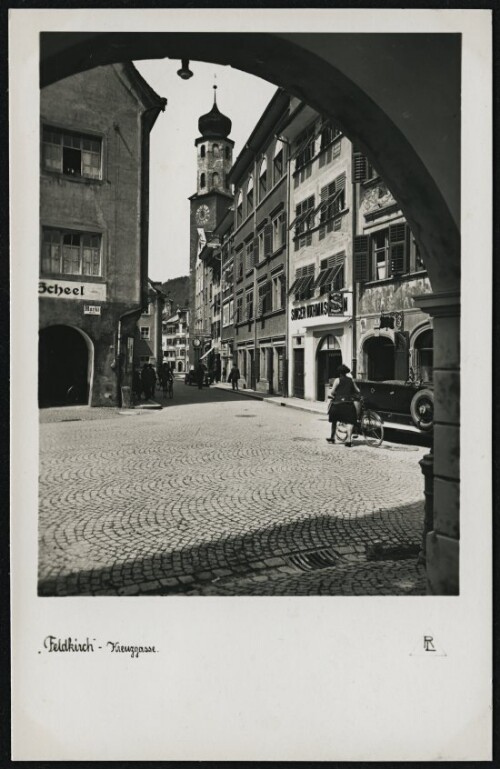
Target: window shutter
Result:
[[268, 240], [340, 182], [397, 247], [324, 193], [361, 258], [283, 228], [359, 167]]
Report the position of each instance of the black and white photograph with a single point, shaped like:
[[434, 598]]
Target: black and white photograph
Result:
[[248, 372]]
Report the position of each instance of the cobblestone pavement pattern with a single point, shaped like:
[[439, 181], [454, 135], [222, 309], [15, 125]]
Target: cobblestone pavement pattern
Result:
[[218, 494]]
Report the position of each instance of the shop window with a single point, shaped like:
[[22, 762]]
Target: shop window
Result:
[[71, 153], [278, 161], [263, 179], [145, 332], [68, 252]]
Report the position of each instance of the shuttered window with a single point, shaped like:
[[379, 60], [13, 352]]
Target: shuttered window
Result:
[[279, 231], [249, 256], [362, 169], [249, 305], [303, 285], [383, 254], [239, 309], [331, 276], [265, 300], [361, 258]]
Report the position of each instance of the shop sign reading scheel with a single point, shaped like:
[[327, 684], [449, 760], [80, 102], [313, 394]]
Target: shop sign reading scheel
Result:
[[65, 289]]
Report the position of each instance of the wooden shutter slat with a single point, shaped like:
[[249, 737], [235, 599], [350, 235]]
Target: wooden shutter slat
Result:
[[268, 240], [359, 167], [361, 258]]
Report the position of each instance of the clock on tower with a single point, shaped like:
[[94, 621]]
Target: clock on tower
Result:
[[202, 214]]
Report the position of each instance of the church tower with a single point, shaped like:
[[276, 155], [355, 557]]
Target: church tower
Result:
[[213, 197]]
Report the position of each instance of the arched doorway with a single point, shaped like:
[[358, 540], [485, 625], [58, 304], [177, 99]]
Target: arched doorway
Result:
[[423, 355], [329, 358], [64, 366], [379, 354]]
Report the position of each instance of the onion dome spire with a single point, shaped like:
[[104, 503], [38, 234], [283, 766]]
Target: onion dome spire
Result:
[[214, 125]]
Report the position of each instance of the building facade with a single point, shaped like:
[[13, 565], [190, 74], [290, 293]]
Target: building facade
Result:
[[256, 307], [320, 245], [148, 336], [94, 231], [175, 340], [394, 336]]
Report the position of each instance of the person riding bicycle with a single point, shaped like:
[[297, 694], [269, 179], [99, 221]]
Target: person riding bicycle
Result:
[[341, 407]]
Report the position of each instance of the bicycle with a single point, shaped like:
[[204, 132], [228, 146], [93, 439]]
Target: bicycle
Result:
[[369, 426]]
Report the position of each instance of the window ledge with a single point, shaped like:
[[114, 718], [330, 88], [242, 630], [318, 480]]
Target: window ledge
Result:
[[70, 178], [394, 278], [73, 277]]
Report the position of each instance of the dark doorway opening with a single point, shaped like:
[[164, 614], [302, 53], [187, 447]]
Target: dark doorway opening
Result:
[[329, 358], [63, 367], [298, 373], [379, 358], [424, 353]]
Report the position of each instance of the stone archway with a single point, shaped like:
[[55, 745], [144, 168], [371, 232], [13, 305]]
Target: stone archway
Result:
[[397, 97], [65, 355]]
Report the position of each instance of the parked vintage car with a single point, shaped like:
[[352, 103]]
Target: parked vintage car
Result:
[[398, 401]]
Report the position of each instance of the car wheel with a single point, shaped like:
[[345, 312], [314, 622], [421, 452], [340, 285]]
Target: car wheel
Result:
[[422, 409]]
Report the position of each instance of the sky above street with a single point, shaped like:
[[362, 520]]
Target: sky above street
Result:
[[240, 96]]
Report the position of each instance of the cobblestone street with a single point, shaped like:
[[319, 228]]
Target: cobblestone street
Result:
[[219, 494]]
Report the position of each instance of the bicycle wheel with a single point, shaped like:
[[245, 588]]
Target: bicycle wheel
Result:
[[341, 432], [372, 428]]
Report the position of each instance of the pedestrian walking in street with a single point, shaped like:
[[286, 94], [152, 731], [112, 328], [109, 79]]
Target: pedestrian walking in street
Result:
[[341, 407], [200, 375], [137, 384], [233, 377], [148, 378]]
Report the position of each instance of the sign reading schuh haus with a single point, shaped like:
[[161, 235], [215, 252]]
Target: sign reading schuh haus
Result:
[[65, 289]]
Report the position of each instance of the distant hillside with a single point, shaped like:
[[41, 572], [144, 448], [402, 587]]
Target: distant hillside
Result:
[[177, 289]]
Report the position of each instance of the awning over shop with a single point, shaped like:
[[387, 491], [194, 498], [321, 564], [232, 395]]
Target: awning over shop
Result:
[[211, 349]]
